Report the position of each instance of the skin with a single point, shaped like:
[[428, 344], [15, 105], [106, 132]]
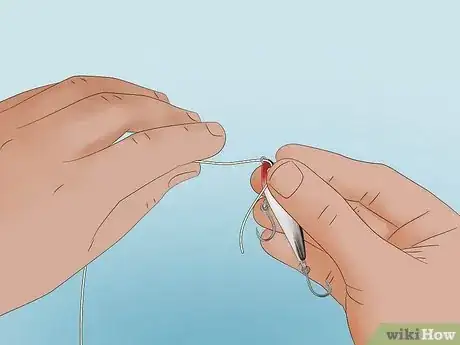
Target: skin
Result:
[[68, 193], [387, 246]]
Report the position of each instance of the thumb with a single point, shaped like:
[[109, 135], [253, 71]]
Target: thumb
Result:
[[328, 219]]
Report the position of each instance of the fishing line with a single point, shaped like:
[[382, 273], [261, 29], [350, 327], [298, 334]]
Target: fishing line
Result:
[[265, 208], [208, 162], [82, 301]]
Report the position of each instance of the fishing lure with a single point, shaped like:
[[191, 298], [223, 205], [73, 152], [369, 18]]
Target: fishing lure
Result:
[[278, 216]]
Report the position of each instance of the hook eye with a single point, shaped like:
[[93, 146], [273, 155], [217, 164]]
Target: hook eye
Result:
[[266, 209], [266, 160]]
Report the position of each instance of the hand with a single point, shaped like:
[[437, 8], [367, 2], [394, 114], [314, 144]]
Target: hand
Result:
[[388, 247], [67, 192]]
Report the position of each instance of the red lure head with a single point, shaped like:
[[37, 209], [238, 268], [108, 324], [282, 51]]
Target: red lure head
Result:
[[266, 164]]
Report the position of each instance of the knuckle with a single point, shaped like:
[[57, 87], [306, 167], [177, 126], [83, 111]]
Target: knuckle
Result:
[[105, 98], [147, 103], [90, 85], [196, 167], [114, 89], [107, 84], [79, 80], [82, 86]]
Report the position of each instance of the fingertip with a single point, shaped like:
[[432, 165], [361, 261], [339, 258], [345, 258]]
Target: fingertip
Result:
[[256, 182], [194, 116], [215, 129], [195, 166], [210, 138], [267, 246], [182, 177], [279, 249], [267, 235], [161, 96]]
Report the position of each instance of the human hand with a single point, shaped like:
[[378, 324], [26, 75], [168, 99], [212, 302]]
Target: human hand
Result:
[[385, 245], [67, 192]]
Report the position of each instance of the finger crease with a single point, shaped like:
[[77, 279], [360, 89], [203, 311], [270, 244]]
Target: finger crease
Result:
[[423, 246], [354, 288], [332, 221], [407, 223], [181, 174], [354, 299], [374, 213], [375, 198], [6, 142], [431, 237], [58, 189], [323, 211]]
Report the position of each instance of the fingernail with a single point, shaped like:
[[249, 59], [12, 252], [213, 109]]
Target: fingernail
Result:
[[215, 129], [182, 178], [286, 179], [194, 116], [161, 96]]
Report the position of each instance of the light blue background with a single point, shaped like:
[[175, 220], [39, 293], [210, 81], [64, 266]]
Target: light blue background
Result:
[[377, 80]]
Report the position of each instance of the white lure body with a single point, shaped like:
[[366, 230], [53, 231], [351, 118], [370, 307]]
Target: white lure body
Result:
[[291, 228]]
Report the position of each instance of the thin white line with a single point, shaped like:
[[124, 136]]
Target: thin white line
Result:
[[82, 301], [83, 278], [244, 161]]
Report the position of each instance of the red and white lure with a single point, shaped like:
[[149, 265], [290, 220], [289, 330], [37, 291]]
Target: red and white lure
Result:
[[279, 217]]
